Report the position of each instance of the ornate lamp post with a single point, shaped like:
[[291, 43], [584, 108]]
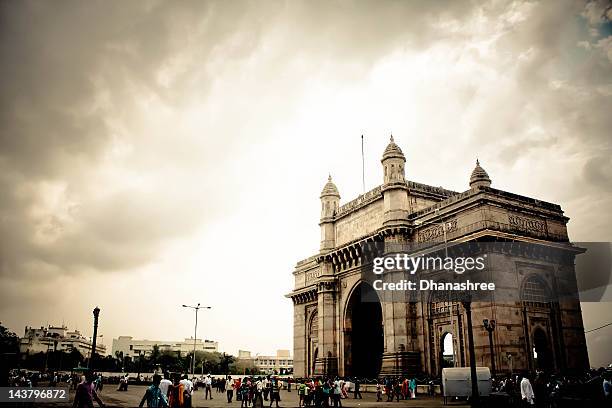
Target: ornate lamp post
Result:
[[474, 378], [96, 313], [489, 325]]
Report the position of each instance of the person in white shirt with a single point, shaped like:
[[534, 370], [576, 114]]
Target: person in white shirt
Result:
[[527, 391], [164, 385], [337, 393], [266, 388], [229, 388], [208, 387], [188, 387]]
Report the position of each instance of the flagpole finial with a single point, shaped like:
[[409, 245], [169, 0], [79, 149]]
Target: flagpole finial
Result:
[[392, 137]]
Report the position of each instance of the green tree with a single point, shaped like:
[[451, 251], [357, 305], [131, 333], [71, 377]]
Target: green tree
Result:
[[9, 342], [155, 354], [9, 353]]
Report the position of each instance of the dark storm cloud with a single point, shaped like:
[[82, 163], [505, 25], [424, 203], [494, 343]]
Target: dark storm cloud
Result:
[[72, 69]]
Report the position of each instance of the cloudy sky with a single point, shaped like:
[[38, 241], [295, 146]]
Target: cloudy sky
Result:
[[154, 154]]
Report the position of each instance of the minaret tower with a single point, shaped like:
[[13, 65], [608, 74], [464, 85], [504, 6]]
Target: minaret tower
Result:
[[395, 190], [330, 202]]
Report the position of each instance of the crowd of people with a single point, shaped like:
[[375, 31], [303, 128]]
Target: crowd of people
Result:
[[176, 390], [551, 390]]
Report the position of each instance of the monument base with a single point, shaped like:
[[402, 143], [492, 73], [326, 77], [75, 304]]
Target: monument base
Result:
[[401, 363]]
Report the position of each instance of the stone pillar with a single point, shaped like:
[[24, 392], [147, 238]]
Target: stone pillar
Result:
[[299, 340], [402, 354], [327, 360]]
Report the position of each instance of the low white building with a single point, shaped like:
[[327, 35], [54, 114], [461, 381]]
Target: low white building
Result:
[[57, 338], [131, 347], [281, 363]]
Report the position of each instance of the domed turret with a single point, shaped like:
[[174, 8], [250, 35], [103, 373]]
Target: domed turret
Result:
[[330, 189], [330, 202], [393, 150], [393, 163], [479, 177], [330, 199]]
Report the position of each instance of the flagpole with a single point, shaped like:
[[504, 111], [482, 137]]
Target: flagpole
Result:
[[362, 166]]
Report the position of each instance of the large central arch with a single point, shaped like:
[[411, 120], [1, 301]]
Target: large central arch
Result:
[[363, 333]]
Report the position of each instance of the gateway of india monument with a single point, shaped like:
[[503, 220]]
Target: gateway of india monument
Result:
[[336, 333]]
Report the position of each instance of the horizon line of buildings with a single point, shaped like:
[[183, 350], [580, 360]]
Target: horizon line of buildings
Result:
[[60, 338]]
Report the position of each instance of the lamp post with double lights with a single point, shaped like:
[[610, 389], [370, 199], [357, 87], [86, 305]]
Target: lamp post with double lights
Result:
[[195, 332], [489, 325]]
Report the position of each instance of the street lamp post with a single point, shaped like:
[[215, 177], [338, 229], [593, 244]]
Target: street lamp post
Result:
[[489, 325], [96, 313], [195, 333], [468, 313]]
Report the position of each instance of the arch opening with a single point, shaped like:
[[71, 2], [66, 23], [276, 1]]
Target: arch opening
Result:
[[541, 350], [363, 333], [447, 353]]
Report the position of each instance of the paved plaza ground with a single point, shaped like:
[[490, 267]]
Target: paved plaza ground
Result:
[[131, 398]]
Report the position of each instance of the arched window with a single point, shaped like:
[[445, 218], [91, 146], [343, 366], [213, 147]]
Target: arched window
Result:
[[535, 290], [314, 326]]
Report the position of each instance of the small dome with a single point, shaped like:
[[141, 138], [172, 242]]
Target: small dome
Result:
[[393, 150], [330, 189], [479, 176]]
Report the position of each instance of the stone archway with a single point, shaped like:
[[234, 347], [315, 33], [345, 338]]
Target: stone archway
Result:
[[447, 355], [312, 343], [541, 350], [363, 333]]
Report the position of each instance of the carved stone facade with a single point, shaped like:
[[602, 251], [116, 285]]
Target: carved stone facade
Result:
[[334, 333]]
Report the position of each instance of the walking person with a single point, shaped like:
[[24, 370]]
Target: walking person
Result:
[[526, 391], [164, 385], [337, 393], [176, 393], [357, 389], [379, 388], [412, 387], [276, 387], [397, 389], [389, 389], [229, 389], [326, 391], [244, 394], [208, 387], [154, 396], [301, 388], [266, 389], [86, 393], [187, 391], [258, 398]]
